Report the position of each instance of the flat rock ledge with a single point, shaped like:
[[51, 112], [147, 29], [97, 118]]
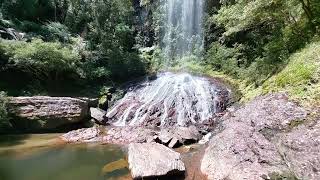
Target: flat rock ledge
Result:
[[46, 113], [153, 160], [172, 137]]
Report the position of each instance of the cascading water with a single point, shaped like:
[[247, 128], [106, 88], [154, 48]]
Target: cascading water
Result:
[[183, 33], [171, 99], [174, 99]]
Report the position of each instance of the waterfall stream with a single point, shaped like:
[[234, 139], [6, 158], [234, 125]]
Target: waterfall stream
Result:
[[174, 99], [183, 33], [171, 99]]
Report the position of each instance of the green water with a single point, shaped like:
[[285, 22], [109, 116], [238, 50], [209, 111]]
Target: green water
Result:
[[40, 157]]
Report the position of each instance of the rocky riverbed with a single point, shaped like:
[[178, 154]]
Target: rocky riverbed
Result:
[[268, 138]]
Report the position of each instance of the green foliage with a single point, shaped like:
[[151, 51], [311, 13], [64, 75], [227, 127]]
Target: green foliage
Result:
[[258, 36], [34, 10], [223, 58], [300, 78], [40, 58], [4, 119], [56, 31], [154, 57], [46, 63], [111, 36]]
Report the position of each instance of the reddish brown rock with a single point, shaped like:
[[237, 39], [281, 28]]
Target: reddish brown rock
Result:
[[43, 112], [247, 146]]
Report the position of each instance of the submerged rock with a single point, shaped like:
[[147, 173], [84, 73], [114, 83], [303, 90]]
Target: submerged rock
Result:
[[46, 113], [152, 160], [113, 166], [247, 147]]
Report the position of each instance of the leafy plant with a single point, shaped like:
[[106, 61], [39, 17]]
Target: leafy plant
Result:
[[4, 119]]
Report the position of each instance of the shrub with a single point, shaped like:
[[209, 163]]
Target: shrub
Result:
[[223, 58], [56, 31], [48, 64], [301, 77], [52, 31], [40, 57], [4, 119]]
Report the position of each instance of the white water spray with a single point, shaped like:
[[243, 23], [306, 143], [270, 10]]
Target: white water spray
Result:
[[172, 99]]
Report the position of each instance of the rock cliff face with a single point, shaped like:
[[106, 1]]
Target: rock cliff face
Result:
[[46, 113], [261, 141]]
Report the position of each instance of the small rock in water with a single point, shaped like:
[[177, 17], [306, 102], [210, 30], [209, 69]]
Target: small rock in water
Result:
[[153, 160]]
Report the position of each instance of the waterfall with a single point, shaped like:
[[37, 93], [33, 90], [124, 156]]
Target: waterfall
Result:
[[183, 33], [174, 99], [171, 99]]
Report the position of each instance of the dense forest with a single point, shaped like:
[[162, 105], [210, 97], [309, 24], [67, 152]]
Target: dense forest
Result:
[[78, 47]]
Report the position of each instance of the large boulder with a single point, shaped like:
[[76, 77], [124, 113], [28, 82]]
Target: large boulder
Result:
[[46, 113], [152, 160], [247, 147]]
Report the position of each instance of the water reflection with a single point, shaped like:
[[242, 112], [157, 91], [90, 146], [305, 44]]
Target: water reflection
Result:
[[27, 161]]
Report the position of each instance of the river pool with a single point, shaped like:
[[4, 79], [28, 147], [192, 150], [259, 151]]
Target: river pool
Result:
[[43, 157]]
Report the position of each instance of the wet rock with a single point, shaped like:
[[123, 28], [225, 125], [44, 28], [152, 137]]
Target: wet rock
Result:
[[83, 135], [125, 135], [176, 136], [174, 143], [152, 160], [170, 100], [11, 34], [205, 139], [246, 147], [46, 113], [98, 115], [114, 135], [172, 137]]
